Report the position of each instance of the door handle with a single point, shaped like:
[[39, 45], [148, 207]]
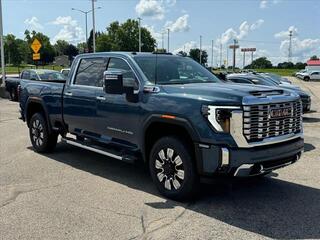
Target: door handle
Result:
[[68, 93], [101, 98]]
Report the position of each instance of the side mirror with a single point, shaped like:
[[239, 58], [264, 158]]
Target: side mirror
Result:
[[113, 82]]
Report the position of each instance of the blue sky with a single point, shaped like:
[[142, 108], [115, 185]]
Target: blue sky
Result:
[[263, 24]]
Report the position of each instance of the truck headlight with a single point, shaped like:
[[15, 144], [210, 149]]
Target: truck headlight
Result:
[[219, 116]]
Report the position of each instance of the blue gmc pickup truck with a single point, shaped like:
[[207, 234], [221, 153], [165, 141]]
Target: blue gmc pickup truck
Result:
[[169, 112]]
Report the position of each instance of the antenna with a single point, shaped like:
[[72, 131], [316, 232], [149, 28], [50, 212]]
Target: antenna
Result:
[[290, 47]]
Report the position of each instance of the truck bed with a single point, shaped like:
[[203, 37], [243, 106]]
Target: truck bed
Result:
[[49, 95]]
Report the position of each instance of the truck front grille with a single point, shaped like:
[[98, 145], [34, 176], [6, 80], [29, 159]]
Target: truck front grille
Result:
[[271, 120]]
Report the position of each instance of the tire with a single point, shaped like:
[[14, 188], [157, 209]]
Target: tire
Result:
[[13, 94], [307, 79], [175, 179], [42, 141]]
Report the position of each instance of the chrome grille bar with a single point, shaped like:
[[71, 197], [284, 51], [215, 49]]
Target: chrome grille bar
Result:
[[258, 124]]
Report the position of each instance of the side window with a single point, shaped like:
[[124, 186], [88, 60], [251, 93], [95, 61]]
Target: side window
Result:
[[128, 75], [90, 72], [33, 76], [25, 75], [239, 80]]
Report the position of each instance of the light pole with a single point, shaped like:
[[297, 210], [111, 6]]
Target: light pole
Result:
[[86, 20], [93, 27], [2, 48], [139, 19], [168, 40], [212, 54], [200, 49]]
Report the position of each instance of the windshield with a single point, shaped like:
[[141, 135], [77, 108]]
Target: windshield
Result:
[[51, 76], [263, 81], [174, 70]]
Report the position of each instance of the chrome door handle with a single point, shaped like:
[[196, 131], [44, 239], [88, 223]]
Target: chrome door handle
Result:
[[101, 98], [68, 93]]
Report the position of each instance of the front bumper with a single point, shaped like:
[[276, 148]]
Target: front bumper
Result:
[[219, 160]]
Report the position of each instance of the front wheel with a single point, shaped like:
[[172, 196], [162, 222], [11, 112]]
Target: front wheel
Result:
[[307, 79], [172, 169], [41, 139]]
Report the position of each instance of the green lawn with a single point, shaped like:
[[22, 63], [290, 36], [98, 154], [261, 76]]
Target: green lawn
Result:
[[16, 70], [281, 72]]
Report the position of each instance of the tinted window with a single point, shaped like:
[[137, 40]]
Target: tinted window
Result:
[[239, 80], [174, 70], [33, 76], [25, 75], [90, 72], [128, 75], [51, 76]]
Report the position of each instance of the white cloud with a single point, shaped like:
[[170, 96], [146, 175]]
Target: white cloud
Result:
[[150, 8], [257, 24], [33, 23], [154, 8], [180, 25], [186, 47], [244, 29], [302, 49], [285, 34], [266, 3], [154, 33], [263, 4], [70, 32]]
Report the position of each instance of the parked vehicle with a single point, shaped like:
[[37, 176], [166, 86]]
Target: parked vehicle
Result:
[[31, 74], [299, 73], [171, 113], [65, 72], [260, 80], [312, 75], [274, 77]]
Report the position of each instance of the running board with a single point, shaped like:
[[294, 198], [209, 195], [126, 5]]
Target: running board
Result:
[[97, 150]]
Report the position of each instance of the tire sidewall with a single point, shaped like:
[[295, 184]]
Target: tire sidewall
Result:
[[45, 143], [188, 185]]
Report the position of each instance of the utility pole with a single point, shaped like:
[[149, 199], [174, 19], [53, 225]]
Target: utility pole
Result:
[[290, 47], [234, 47], [220, 55], [162, 40], [86, 20], [93, 27], [200, 49], [212, 42], [2, 48], [168, 40], [244, 60], [139, 19], [227, 57]]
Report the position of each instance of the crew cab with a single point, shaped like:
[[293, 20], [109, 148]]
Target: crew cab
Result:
[[169, 112]]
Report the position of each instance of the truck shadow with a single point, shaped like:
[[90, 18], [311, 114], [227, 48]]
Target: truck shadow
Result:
[[268, 206], [311, 120]]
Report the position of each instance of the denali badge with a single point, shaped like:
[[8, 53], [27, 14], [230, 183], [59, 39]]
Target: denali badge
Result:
[[282, 112]]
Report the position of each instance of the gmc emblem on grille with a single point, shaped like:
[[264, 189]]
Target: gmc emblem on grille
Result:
[[283, 112]]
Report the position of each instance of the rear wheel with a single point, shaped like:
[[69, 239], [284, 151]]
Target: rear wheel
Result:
[[172, 169], [41, 139], [13, 94]]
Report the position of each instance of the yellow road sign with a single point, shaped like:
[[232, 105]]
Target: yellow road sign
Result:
[[36, 56], [36, 45]]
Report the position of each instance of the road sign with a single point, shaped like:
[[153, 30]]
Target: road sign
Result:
[[36, 45], [36, 56], [248, 49], [234, 46]]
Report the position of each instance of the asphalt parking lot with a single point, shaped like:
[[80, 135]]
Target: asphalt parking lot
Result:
[[76, 194]]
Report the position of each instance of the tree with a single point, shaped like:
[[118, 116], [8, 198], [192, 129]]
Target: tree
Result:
[[182, 53], [71, 51], [195, 55], [286, 65], [300, 65], [11, 50], [90, 40], [61, 47], [125, 37], [314, 57], [261, 62]]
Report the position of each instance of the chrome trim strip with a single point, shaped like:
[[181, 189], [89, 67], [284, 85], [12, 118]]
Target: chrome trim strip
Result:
[[243, 166], [272, 99], [224, 157], [92, 149]]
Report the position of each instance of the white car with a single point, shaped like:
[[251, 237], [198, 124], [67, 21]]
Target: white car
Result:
[[307, 76], [300, 73]]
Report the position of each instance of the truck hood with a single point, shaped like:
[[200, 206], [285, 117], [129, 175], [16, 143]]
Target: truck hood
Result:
[[221, 93]]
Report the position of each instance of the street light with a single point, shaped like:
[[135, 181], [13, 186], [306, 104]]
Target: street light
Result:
[[86, 19], [139, 19], [168, 39], [2, 48]]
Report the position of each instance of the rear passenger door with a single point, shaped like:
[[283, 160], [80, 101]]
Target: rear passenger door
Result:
[[315, 76], [79, 100]]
